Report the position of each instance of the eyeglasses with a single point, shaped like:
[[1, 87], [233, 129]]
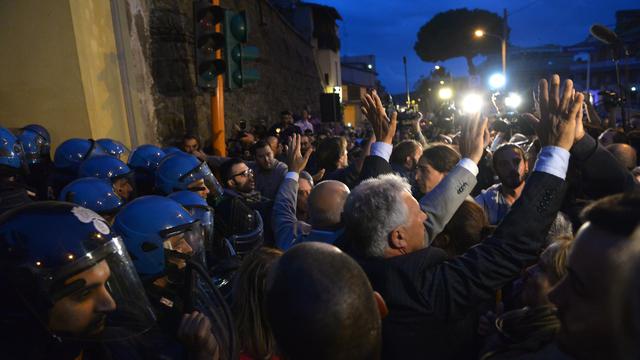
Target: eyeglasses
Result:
[[244, 173]]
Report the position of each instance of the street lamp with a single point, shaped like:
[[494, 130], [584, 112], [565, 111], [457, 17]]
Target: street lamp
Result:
[[472, 103], [497, 81], [513, 101], [445, 93], [479, 33], [437, 67]]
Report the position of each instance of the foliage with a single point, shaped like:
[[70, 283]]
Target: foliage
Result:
[[450, 34]]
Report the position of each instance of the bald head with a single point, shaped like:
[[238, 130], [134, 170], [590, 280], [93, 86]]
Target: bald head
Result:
[[321, 306], [326, 203], [625, 154]]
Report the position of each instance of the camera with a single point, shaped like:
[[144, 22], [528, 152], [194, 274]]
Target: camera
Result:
[[513, 122], [610, 99]]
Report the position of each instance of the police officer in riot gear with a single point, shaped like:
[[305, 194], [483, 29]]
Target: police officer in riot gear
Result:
[[114, 148], [110, 168], [13, 192], [94, 194], [182, 171], [144, 161], [36, 143], [163, 247], [68, 288], [66, 161]]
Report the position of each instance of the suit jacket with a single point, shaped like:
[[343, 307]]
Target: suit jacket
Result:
[[428, 297]]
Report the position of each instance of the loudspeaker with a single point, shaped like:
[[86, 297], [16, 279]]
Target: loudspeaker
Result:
[[330, 108]]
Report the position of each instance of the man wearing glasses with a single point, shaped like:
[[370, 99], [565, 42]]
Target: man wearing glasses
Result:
[[242, 207]]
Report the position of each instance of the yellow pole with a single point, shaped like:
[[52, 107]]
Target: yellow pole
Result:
[[504, 43], [217, 107]]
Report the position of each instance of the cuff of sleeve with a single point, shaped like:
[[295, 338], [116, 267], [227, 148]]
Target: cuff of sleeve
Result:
[[469, 165], [382, 150], [293, 176], [553, 160]]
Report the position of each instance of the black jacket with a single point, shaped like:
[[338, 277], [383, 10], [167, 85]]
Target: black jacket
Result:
[[429, 297]]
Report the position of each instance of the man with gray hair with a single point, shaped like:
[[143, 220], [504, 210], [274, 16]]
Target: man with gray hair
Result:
[[326, 201], [432, 301]]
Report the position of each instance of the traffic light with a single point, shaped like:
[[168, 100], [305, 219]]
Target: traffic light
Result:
[[207, 42], [236, 52]]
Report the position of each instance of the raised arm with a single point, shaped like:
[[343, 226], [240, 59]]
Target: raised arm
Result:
[[458, 285], [441, 203], [284, 219]]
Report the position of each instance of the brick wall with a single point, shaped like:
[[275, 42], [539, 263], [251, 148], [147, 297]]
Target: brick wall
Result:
[[164, 30]]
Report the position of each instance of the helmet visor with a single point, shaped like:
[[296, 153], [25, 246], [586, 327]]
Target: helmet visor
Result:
[[106, 281], [183, 242], [205, 215], [201, 176]]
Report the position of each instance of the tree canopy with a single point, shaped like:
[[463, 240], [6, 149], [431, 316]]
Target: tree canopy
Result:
[[450, 34]]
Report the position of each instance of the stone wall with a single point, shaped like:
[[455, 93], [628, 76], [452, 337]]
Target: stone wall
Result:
[[164, 31]]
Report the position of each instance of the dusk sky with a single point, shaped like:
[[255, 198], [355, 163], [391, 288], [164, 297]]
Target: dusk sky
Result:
[[388, 28]]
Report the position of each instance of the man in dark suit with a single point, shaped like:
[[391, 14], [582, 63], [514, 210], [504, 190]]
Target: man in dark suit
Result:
[[428, 297]]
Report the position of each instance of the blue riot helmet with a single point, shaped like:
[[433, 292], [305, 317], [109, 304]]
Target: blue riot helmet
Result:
[[12, 161], [40, 130], [109, 168], [71, 153], [144, 161], [55, 259], [170, 150], [182, 171], [36, 143], [146, 157], [159, 234], [200, 210], [114, 148], [94, 194]]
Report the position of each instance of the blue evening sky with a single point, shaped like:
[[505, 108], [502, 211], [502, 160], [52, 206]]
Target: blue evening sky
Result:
[[388, 28]]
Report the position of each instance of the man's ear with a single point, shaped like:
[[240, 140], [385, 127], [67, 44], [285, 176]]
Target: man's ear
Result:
[[398, 238], [383, 310], [231, 183]]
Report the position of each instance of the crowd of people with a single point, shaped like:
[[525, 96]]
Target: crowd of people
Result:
[[321, 241]]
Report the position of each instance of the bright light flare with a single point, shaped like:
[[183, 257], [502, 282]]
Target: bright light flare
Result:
[[497, 81], [513, 101], [479, 33], [445, 93], [472, 103]]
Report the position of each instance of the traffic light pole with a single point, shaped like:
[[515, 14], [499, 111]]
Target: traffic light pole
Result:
[[217, 106]]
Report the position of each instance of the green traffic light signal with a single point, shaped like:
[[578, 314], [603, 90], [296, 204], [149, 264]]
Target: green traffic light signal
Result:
[[236, 53]]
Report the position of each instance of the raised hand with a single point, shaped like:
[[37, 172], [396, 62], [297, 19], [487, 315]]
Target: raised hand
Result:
[[474, 137], [295, 160], [560, 122], [383, 127]]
